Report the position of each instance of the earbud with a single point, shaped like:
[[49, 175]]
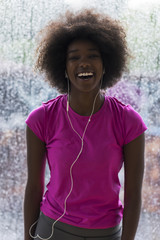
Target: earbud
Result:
[[66, 76], [104, 71]]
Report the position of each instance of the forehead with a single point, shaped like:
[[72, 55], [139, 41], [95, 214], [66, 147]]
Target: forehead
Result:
[[81, 44]]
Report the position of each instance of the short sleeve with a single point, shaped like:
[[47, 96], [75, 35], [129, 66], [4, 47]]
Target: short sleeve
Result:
[[36, 122], [133, 124]]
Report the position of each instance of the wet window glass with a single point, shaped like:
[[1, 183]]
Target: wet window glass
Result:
[[21, 90]]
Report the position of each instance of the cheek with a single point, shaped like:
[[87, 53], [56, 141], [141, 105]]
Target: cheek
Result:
[[100, 63], [100, 67], [69, 68]]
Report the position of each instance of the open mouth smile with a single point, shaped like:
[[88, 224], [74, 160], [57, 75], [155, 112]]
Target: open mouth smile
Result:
[[85, 75]]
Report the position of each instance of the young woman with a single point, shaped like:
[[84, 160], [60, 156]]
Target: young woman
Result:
[[84, 135]]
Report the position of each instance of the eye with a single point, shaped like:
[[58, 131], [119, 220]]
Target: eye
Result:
[[73, 58], [94, 56]]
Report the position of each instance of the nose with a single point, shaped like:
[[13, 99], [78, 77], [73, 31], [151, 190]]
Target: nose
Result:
[[84, 63]]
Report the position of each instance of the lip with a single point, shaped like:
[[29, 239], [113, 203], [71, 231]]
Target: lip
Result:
[[85, 79]]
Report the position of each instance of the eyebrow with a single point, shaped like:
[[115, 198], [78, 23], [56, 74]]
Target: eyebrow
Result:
[[76, 50]]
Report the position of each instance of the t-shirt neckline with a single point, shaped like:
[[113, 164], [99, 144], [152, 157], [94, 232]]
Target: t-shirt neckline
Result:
[[73, 113]]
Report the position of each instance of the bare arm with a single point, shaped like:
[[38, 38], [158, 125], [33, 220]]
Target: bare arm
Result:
[[134, 168], [36, 161]]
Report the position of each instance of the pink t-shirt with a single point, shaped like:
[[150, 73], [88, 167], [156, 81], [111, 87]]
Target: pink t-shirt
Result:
[[94, 202]]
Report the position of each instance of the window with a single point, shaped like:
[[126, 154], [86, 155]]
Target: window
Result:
[[21, 91]]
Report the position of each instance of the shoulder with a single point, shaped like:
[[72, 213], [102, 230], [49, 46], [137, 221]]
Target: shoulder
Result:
[[41, 117], [131, 122], [119, 107], [116, 107], [52, 104], [114, 101], [47, 107]]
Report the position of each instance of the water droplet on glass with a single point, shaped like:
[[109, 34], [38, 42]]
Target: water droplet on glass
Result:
[[21, 91]]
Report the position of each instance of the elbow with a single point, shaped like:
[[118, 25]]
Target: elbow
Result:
[[34, 189], [133, 199]]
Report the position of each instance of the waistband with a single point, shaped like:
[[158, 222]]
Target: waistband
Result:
[[84, 232]]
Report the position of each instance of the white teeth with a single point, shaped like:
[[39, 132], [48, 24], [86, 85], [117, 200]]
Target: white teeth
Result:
[[85, 74]]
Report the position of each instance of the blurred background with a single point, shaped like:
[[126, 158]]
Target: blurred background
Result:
[[21, 91]]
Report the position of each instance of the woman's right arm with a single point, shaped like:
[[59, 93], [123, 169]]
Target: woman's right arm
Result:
[[36, 162]]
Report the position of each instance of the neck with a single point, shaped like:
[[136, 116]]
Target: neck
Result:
[[83, 103]]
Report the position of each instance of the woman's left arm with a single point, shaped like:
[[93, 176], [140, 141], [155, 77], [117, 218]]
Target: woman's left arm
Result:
[[133, 168]]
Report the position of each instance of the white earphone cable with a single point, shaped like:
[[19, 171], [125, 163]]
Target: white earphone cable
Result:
[[71, 177]]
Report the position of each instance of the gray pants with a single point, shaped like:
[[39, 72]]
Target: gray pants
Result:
[[63, 231]]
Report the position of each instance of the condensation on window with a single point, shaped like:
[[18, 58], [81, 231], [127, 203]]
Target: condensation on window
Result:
[[21, 91]]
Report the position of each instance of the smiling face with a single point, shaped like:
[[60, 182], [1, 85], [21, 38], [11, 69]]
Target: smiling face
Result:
[[84, 66]]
